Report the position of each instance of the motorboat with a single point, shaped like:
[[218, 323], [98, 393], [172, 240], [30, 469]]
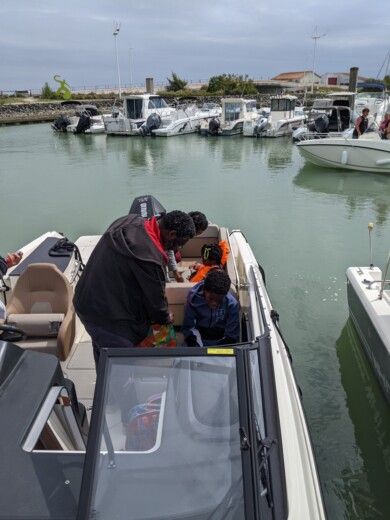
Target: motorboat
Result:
[[369, 308], [284, 117], [369, 153], [202, 433], [87, 120], [235, 112], [374, 97], [324, 120], [139, 115], [187, 120]]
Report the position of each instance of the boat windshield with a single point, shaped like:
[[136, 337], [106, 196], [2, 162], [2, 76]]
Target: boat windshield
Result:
[[168, 440], [157, 102]]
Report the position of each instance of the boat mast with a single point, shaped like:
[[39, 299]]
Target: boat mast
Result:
[[117, 27]]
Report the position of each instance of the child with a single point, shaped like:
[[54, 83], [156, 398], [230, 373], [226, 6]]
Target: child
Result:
[[214, 256], [201, 223]]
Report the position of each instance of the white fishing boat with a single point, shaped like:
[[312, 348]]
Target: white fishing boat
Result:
[[187, 120], [235, 112], [175, 433], [324, 120], [369, 308], [369, 153], [139, 115], [87, 120], [284, 117]]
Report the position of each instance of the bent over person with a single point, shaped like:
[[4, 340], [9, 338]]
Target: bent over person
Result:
[[211, 315], [121, 292]]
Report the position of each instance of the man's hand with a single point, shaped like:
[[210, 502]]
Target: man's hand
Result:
[[13, 258], [178, 277], [171, 317]]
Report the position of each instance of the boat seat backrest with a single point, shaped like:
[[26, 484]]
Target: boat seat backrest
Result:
[[41, 304], [176, 294], [193, 247]]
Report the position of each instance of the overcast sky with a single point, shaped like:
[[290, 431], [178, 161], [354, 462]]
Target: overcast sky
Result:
[[196, 39]]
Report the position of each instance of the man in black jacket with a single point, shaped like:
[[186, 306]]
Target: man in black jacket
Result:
[[122, 289]]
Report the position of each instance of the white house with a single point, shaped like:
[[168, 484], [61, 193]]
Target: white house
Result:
[[304, 77], [337, 79]]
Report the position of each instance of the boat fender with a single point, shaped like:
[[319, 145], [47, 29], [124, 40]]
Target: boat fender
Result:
[[382, 162], [344, 157]]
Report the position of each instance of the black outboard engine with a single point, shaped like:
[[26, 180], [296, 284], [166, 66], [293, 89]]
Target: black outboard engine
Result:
[[83, 124], [260, 127], [61, 123], [146, 206], [152, 123], [214, 126], [321, 124]]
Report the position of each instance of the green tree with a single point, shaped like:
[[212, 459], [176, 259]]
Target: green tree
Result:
[[175, 83], [47, 92], [232, 84], [386, 81]]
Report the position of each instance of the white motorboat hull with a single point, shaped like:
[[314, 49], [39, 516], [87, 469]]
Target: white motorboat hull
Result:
[[182, 126], [371, 317], [281, 128], [367, 155]]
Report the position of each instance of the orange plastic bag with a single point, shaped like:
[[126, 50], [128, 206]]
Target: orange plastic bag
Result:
[[160, 336]]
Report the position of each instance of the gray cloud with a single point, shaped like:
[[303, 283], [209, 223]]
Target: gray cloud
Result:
[[40, 38]]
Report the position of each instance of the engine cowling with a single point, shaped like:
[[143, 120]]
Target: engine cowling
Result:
[[214, 126], [321, 123], [153, 122]]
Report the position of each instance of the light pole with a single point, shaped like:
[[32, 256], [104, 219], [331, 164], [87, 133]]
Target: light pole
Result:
[[315, 37], [117, 28], [131, 66]]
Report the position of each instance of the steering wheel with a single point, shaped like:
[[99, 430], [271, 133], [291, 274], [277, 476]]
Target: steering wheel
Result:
[[12, 334]]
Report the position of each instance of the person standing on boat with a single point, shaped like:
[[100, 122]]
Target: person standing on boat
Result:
[[211, 315], [121, 292], [384, 127], [361, 124]]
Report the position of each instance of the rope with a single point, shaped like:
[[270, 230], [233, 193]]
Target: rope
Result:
[[64, 248]]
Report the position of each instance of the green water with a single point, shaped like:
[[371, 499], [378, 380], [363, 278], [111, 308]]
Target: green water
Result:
[[305, 224]]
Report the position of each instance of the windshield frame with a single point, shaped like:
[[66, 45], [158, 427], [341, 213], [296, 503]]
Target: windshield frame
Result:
[[255, 505]]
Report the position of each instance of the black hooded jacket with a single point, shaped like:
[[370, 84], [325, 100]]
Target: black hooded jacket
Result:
[[122, 288], [3, 266]]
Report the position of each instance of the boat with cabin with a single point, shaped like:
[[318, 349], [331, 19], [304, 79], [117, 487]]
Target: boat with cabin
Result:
[[139, 115], [187, 120], [283, 118], [235, 112], [368, 290], [202, 433]]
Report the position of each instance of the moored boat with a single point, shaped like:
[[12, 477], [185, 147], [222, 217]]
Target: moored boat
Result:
[[369, 307], [235, 112]]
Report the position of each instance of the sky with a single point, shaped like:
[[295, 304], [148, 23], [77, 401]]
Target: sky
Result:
[[196, 39]]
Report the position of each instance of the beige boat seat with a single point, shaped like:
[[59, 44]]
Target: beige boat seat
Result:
[[41, 305], [193, 247], [176, 294]]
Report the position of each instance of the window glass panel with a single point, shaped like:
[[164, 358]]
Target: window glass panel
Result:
[[232, 111], [134, 108], [171, 446]]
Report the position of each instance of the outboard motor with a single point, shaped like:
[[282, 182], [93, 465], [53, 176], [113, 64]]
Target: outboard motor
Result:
[[260, 126], [83, 124], [146, 206], [321, 124], [61, 123], [152, 123], [299, 134], [214, 126]]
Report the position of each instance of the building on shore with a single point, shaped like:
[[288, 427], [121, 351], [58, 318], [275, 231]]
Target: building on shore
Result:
[[305, 77], [340, 79]]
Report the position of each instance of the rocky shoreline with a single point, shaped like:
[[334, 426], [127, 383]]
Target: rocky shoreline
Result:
[[25, 113]]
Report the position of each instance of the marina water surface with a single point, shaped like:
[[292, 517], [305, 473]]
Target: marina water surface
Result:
[[305, 224]]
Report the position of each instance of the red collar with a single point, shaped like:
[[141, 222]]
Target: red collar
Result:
[[153, 230]]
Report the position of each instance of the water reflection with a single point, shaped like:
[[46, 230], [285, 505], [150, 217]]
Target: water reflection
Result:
[[357, 188], [364, 490], [279, 153]]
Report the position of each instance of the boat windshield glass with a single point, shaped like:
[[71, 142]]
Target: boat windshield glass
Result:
[[168, 438], [232, 111], [157, 102], [251, 106]]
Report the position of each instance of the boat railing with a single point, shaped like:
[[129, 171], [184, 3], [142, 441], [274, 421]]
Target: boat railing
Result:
[[318, 135], [384, 281]]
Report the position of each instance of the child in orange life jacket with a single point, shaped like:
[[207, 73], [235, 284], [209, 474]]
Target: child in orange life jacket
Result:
[[214, 256]]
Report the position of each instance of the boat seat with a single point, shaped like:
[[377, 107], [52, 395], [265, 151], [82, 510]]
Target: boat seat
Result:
[[41, 305], [193, 247], [176, 294]]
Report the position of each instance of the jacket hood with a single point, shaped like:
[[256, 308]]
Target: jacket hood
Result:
[[128, 237]]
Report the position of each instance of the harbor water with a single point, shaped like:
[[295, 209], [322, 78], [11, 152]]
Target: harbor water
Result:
[[305, 224]]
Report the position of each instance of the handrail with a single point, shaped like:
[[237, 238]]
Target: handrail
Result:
[[384, 277]]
